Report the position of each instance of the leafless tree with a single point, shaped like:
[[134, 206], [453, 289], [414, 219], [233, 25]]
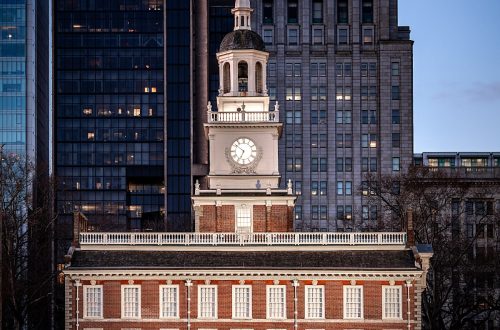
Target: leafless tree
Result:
[[26, 240], [441, 202]]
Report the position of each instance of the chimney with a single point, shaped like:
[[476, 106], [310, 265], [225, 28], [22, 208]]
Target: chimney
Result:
[[410, 233]]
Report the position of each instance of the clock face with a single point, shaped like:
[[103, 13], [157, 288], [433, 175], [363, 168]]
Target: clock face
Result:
[[243, 151]]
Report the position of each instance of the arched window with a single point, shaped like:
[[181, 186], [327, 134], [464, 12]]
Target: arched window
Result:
[[226, 76], [258, 78], [243, 76]]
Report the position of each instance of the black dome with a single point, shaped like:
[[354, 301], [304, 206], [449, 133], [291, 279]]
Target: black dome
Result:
[[242, 39]]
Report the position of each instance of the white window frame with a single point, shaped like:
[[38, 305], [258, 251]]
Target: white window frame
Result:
[[234, 309], [268, 310], [306, 303], [346, 288], [238, 209], [138, 316], [200, 288], [85, 302], [176, 287], [400, 302]]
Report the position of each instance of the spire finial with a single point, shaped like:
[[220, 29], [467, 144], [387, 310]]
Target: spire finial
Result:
[[242, 12]]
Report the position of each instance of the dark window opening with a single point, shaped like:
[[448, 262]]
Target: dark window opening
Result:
[[317, 11], [342, 12], [227, 78], [367, 11], [243, 76], [293, 11], [268, 12], [258, 78]]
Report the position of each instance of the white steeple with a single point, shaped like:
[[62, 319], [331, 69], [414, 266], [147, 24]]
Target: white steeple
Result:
[[242, 13]]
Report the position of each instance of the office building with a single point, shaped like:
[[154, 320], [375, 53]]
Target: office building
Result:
[[24, 141], [342, 73], [122, 114], [469, 185], [24, 80]]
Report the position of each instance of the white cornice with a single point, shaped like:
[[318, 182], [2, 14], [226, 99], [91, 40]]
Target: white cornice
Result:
[[287, 200], [230, 274]]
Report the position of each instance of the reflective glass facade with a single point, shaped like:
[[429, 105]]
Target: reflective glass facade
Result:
[[13, 76], [109, 114], [178, 103], [221, 22]]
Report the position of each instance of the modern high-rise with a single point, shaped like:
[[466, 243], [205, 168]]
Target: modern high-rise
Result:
[[24, 80], [133, 78], [122, 114], [24, 137], [342, 73]]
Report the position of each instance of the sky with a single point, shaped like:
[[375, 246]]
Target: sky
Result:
[[456, 63]]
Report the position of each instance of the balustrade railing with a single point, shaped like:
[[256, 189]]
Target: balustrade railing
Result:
[[243, 116], [241, 239]]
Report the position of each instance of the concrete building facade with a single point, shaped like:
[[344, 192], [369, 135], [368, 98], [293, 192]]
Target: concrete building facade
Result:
[[342, 73]]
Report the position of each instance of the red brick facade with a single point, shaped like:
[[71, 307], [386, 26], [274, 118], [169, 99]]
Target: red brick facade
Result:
[[221, 219], [333, 318]]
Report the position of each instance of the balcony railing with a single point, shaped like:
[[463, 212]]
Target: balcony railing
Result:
[[243, 116], [242, 239]]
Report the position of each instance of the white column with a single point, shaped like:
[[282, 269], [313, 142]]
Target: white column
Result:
[[234, 77], [251, 77]]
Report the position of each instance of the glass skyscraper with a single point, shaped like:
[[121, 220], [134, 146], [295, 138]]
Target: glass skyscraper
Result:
[[122, 114], [24, 119]]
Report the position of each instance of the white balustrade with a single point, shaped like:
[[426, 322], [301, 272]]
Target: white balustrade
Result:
[[243, 116], [290, 238]]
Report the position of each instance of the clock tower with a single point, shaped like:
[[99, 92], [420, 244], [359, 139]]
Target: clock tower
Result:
[[243, 192]]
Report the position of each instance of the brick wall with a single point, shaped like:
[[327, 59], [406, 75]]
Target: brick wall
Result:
[[150, 306], [222, 218]]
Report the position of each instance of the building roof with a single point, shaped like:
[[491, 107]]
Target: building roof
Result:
[[242, 39], [279, 260]]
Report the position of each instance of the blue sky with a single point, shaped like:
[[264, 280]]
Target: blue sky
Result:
[[456, 73]]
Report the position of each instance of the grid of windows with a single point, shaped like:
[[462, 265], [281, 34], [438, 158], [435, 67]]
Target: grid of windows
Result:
[[315, 297], [169, 301], [92, 301], [353, 302], [392, 302], [131, 301], [109, 112], [276, 301], [242, 302], [207, 301]]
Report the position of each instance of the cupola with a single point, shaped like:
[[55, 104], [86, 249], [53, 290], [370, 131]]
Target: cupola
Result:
[[242, 57]]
